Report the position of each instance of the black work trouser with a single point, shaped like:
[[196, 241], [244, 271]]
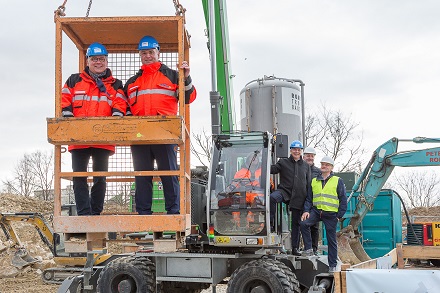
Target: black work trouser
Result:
[[314, 230], [166, 159], [89, 203]]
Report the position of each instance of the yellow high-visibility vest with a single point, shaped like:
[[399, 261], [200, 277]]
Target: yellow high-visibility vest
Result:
[[326, 198]]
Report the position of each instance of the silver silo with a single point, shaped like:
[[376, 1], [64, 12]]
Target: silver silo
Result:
[[275, 105]]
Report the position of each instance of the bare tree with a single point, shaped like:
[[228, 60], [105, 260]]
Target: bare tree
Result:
[[41, 164], [33, 172], [337, 135], [421, 188], [201, 147], [24, 181], [332, 132]]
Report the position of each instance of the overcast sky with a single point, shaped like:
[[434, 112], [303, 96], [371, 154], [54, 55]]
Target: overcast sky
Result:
[[376, 60]]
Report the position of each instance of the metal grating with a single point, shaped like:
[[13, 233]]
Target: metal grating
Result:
[[120, 194]]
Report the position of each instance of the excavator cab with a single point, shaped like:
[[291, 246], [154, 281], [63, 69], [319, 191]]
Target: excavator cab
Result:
[[238, 192]]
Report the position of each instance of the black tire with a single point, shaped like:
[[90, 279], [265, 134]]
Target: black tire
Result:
[[266, 275], [136, 274], [289, 273], [435, 262]]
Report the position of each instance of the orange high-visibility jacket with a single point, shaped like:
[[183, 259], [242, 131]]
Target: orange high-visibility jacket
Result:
[[81, 97], [153, 91]]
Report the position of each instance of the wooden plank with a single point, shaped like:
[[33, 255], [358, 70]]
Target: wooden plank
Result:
[[369, 264], [337, 283], [372, 263], [115, 130], [421, 252], [399, 252], [120, 173], [122, 223], [393, 254]]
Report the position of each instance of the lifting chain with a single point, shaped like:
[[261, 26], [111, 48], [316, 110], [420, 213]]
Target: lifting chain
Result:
[[60, 10], [179, 8], [88, 8], [363, 200]]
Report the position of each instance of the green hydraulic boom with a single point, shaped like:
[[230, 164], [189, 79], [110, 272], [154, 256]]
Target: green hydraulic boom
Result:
[[222, 60]]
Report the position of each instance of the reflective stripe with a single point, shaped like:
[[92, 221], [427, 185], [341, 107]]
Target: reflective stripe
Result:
[[80, 98], [329, 196], [188, 87], [154, 91], [323, 203], [93, 99], [65, 90], [118, 95]]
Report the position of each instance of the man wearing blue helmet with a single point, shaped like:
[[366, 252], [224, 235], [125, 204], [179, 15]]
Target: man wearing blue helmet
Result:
[[293, 188], [154, 91], [92, 93]]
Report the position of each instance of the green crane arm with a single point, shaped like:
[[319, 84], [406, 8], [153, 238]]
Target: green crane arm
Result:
[[380, 167], [224, 82]]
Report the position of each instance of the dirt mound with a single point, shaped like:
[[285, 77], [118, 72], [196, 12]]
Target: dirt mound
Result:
[[422, 214], [10, 203]]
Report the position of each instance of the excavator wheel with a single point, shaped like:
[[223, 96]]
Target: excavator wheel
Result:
[[263, 276], [136, 274]]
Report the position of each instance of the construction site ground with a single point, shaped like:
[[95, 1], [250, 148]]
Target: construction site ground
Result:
[[28, 279]]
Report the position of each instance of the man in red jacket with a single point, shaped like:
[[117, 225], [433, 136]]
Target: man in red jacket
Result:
[[92, 93], [153, 91]]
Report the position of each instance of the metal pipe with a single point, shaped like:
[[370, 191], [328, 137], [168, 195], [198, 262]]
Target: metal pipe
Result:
[[212, 48], [215, 100], [303, 110]]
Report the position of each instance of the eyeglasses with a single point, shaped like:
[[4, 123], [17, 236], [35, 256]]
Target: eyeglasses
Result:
[[96, 59]]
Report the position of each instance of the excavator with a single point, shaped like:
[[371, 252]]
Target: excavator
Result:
[[68, 264], [371, 181], [233, 240]]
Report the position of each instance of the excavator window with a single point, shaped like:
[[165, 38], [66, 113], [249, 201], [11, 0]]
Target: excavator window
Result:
[[238, 197]]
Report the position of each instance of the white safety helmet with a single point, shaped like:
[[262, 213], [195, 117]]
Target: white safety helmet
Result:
[[327, 159], [309, 150]]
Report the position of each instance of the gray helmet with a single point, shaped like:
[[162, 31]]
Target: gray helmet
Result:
[[309, 150], [327, 159]]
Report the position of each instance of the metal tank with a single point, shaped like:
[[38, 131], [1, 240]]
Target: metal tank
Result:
[[273, 104]]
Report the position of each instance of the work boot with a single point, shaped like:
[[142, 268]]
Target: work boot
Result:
[[308, 252], [296, 252], [332, 270]]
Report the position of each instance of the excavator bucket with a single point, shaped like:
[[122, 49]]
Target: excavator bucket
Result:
[[350, 249], [21, 258]]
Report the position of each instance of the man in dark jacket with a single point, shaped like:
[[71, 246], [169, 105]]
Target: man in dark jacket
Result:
[[309, 157], [293, 188]]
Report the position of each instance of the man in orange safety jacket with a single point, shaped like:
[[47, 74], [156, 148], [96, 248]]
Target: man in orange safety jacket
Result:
[[92, 93], [153, 91]]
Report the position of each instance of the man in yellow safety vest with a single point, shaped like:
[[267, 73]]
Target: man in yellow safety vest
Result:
[[329, 204]]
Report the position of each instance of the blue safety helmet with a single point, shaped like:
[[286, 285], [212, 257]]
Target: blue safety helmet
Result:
[[296, 144], [148, 42], [96, 49]]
